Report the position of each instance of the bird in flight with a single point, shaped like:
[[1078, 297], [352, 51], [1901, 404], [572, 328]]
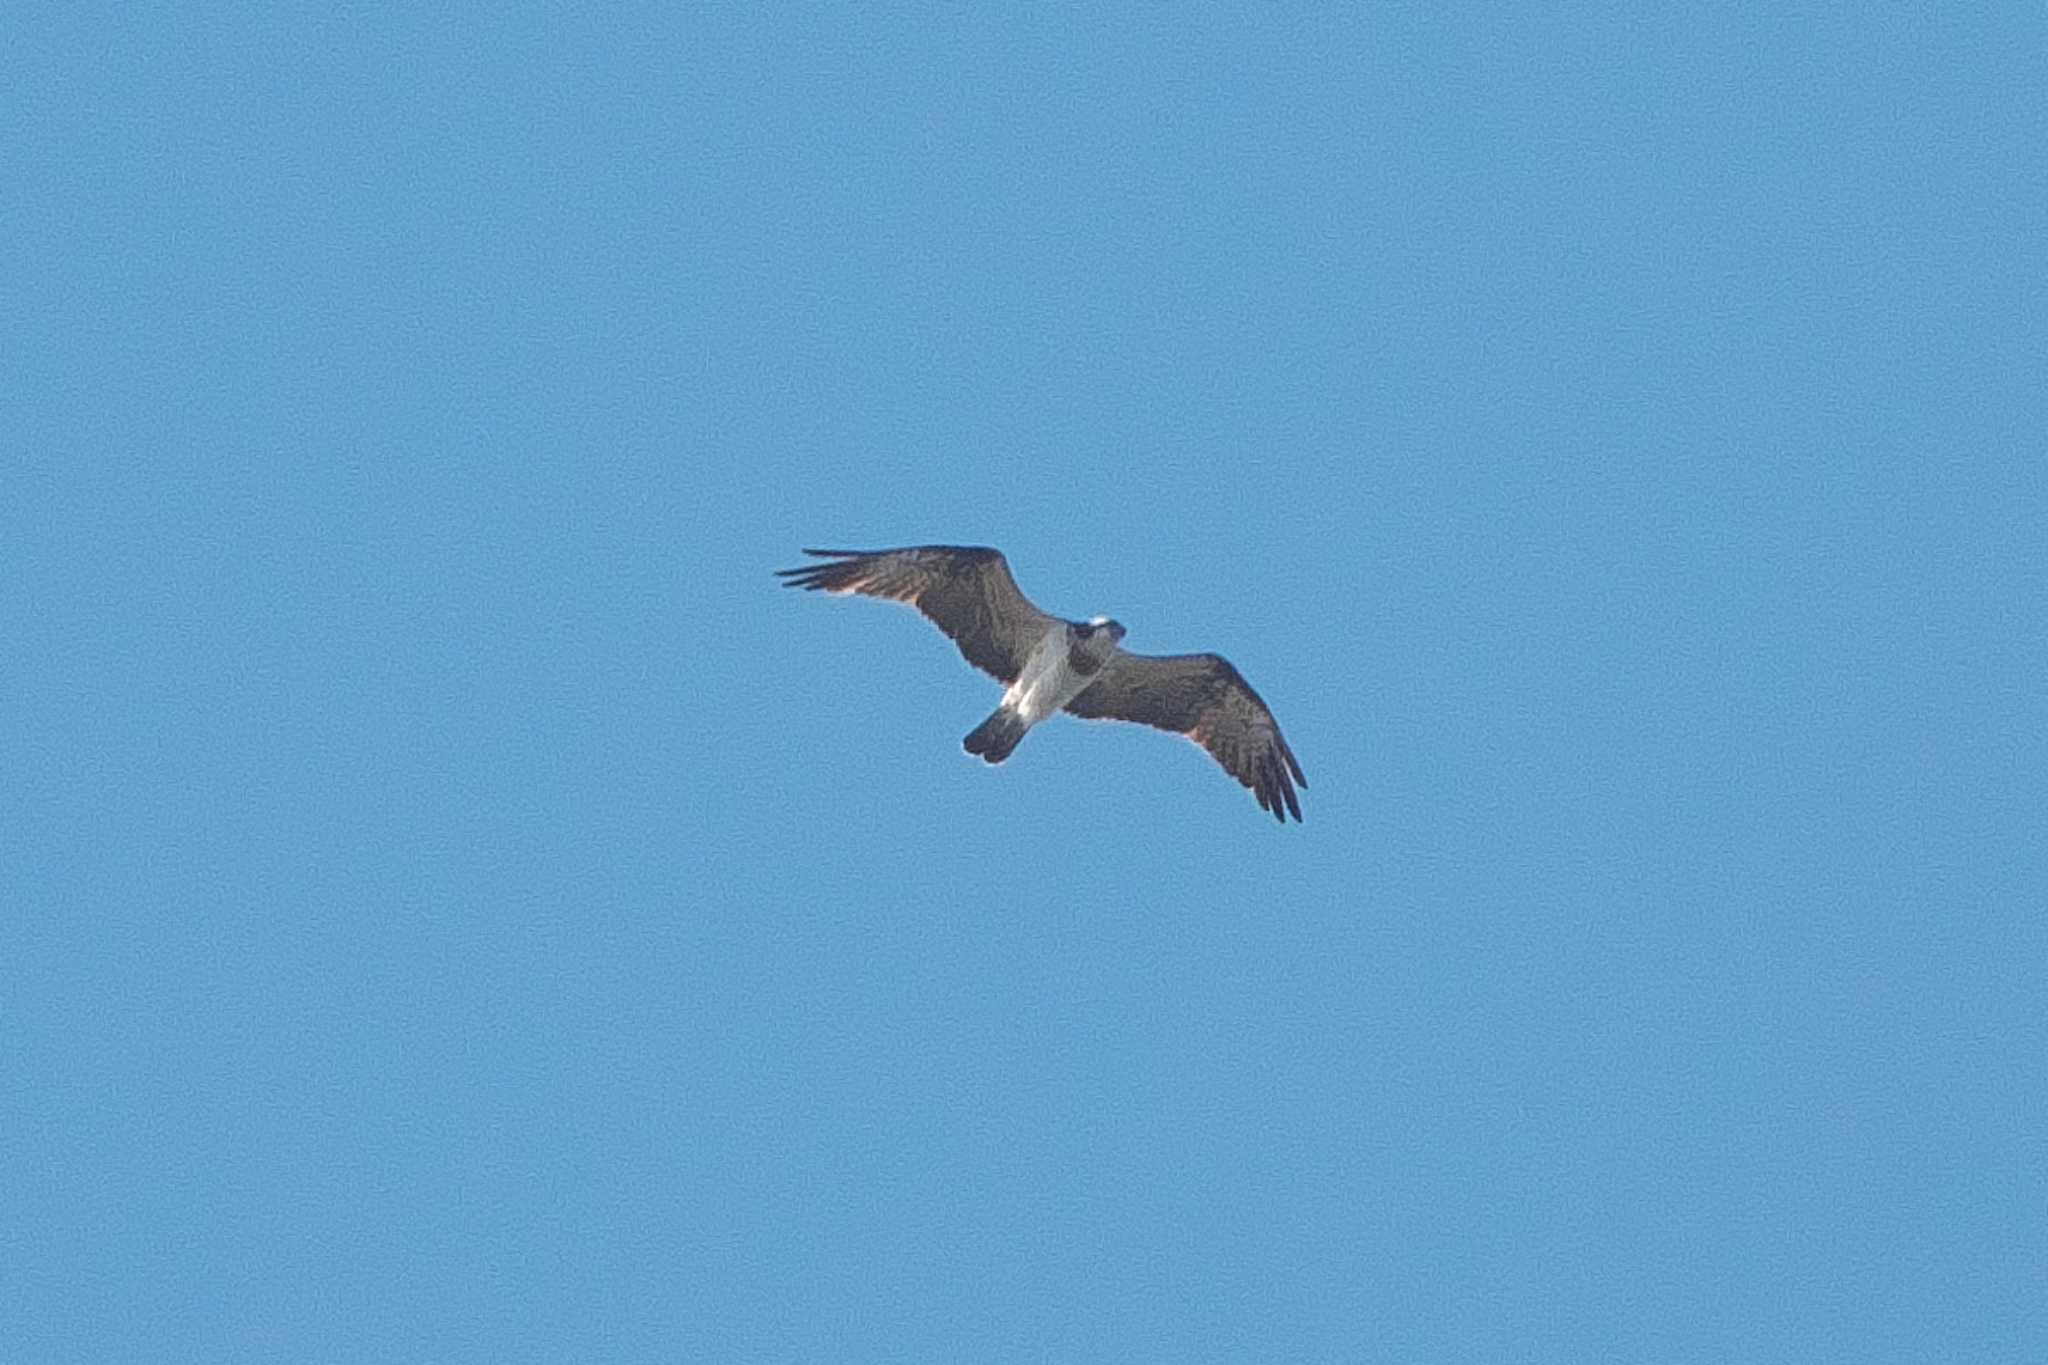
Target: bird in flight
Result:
[[1077, 666]]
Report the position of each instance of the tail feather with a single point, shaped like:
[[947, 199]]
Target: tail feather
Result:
[[995, 737]]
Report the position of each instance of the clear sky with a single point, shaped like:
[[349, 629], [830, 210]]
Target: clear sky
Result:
[[455, 906]]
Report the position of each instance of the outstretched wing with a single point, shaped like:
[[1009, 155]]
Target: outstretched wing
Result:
[[1203, 697], [965, 590]]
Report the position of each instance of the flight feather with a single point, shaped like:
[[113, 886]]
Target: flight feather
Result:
[[964, 590], [1204, 698]]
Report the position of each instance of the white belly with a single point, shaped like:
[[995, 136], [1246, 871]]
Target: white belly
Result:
[[1047, 683]]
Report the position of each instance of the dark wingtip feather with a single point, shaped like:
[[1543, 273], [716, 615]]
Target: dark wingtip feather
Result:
[[811, 576], [1276, 789], [1267, 781], [827, 576], [815, 576]]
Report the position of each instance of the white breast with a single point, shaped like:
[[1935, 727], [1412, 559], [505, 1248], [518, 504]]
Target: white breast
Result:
[[1046, 684]]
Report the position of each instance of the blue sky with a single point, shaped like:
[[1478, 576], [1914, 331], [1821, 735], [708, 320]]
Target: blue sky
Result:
[[453, 905]]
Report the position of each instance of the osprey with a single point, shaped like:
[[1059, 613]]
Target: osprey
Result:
[[1076, 666]]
